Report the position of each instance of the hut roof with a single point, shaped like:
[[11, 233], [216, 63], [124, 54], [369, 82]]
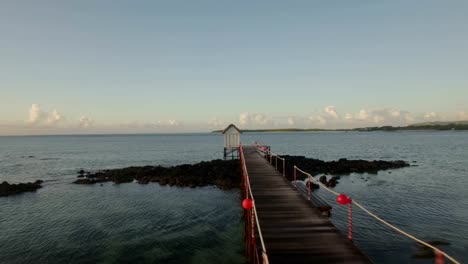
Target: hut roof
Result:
[[231, 125]]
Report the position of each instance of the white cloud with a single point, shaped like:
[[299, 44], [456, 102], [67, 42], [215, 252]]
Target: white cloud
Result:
[[216, 123], [173, 122], [168, 123], [85, 122], [395, 112], [54, 117], [317, 120], [255, 120], [462, 115], [362, 115], [244, 119], [348, 116], [291, 121], [36, 115], [430, 116], [39, 117], [330, 111]]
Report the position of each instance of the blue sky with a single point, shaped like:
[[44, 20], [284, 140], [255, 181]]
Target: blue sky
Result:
[[178, 66]]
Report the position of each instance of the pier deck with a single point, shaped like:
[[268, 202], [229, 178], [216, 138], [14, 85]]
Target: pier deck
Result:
[[294, 231]]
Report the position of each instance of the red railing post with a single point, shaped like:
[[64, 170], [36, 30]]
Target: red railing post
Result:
[[308, 177], [253, 226], [439, 258], [295, 176], [350, 220], [284, 167]]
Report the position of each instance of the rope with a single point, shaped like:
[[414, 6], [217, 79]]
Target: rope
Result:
[[437, 250], [384, 222], [404, 233], [244, 168]]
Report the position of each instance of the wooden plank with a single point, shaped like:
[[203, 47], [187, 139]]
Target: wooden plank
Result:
[[293, 230]]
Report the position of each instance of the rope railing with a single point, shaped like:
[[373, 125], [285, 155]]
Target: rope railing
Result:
[[438, 252], [252, 213], [266, 151]]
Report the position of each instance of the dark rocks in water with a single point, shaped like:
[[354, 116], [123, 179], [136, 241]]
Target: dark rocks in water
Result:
[[225, 174], [336, 167], [323, 179], [424, 252], [332, 182], [329, 183], [11, 189]]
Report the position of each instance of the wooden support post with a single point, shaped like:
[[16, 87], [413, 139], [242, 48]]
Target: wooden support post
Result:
[[350, 221], [295, 176], [284, 167]]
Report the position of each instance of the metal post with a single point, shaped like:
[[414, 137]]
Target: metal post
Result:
[[295, 175], [276, 162], [350, 220], [308, 177], [284, 167]]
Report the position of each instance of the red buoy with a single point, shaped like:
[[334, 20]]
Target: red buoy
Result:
[[343, 199], [247, 203]]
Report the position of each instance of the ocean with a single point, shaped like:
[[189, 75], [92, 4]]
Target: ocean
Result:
[[134, 223]]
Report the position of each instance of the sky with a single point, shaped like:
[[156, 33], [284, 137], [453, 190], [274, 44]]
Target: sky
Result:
[[78, 67]]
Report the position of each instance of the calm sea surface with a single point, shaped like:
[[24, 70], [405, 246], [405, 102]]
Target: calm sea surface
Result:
[[133, 223]]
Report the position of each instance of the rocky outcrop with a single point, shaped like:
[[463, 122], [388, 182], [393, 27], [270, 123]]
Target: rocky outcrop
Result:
[[225, 174], [11, 189], [337, 167]]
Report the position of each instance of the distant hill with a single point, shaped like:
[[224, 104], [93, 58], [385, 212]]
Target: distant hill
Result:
[[278, 130], [438, 125]]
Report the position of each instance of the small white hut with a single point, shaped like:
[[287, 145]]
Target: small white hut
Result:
[[231, 140]]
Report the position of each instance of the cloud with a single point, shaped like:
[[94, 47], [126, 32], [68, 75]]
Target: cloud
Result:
[[36, 115], [462, 115], [244, 119], [39, 117], [255, 120], [330, 111], [317, 120], [168, 123], [54, 117], [216, 123], [291, 121], [362, 115], [85, 122], [431, 116], [348, 116]]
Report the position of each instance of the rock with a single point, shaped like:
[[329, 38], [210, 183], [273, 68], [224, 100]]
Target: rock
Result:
[[338, 167], [11, 189], [225, 174], [85, 181], [332, 182], [323, 179]]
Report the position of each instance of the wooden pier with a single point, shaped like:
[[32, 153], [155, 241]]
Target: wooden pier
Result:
[[293, 230]]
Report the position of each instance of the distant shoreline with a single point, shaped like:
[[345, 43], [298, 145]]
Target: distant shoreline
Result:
[[414, 128]]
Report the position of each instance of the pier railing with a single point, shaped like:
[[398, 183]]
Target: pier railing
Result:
[[252, 223], [342, 199]]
